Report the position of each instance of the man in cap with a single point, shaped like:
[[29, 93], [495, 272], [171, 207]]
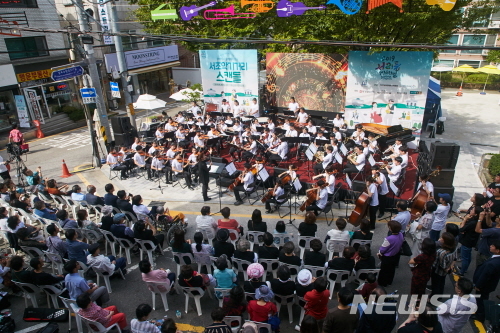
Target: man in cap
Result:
[[440, 216], [105, 264], [120, 230]]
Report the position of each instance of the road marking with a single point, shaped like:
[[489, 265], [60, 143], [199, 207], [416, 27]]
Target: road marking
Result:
[[72, 142], [83, 179]]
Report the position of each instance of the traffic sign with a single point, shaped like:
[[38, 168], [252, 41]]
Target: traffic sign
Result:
[[115, 90], [67, 73], [88, 95], [165, 14]]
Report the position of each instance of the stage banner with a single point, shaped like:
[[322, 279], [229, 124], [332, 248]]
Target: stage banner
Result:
[[388, 88], [231, 75], [317, 81]]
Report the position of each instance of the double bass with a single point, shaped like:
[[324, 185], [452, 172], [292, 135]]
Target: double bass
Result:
[[418, 204], [360, 210]]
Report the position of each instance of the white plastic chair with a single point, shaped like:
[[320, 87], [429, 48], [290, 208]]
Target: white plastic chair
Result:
[[341, 276], [59, 202], [110, 240], [285, 300], [92, 236], [188, 292], [95, 327], [207, 232], [203, 259], [224, 293], [315, 269], [180, 257], [153, 287], [106, 275], [29, 291], [143, 248], [126, 245], [269, 263], [240, 266], [333, 245], [365, 271], [83, 270], [236, 234], [33, 252], [261, 325], [52, 293], [228, 320], [72, 307], [281, 239], [294, 269], [307, 245], [361, 242], [255, 237], [56, 261], [300, 301]]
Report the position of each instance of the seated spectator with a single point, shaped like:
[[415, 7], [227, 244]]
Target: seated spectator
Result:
[[315, 257], [54, 243], [255, 273], [105, 316], [91, 198], [261, 308], [304, 282], [364, 260], [109, 198], [308, 227], [53, 189], [228, 223], [199, 248], [141, 210], [181, 245], [206, 222], [340, 234], [221, 244], [119, 229], [64, 221], [218, 325], [105, 264], [76, 194], [149, 233], [76, 248], [190, 278], [42, 211], [77, 285], [33, 178], [23, 235], [380, 321], [169, 326], [287, 255], [344, 263], [158, 275], [363, 233], [123, 202], [243, 251], [40, 278], [283, 285], [235, 304], [14, 223], [317, 299], [107, 219], [256, 224], [366, 288], [84, 223], [6, 275], [18, 272], [21, 201], [225, 277], [280, 229], [268, 251], [142, 324]]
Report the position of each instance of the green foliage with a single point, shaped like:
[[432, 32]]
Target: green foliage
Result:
[[419, 23], [194, 96], [479, 78], [494, 166], [74, 113], [493, 56]]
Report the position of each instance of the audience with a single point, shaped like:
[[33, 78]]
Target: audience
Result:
[[41, 278], [426, 321], [105, 264], [18, 272], [76, 248], [107, 219], [119, 229], [123, 202], [207, 222], [64, 221], [256, 224], [226, 278], [255, 273], [105, 316], [199, 248], [91, 198], [442, 265], [228, 223], [146, 231], [221, 244], [317, 299], [268, 251], [303, 283], [84, 223], [235, 304], [315, 257], [262, 306], [363, 233], [218, 326], [142, 324], [287, 255], [340, 319], [422, 267], [379, 321], [180, 245], [77, 285], [243, 251], [23, 235], [283, 285], [159, 275], [389, 253], [455, 312], [341, 234], [308, 227], [54, 243], [109, 198]]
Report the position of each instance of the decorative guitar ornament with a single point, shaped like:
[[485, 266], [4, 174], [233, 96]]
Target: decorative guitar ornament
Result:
[[286, 8], [187, 13], [348, 7], [445, 5]]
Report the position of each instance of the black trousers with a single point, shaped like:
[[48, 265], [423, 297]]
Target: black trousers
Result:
[[5, 175], [382, 203], [318, 168], [269, 202], [122, 169], [204, 189], [437, 283], [314, 208], [184, 143], [237, 191], [186, 176], [387, 270], [351, 168], [275, 158], [481, 308], [373, 215]]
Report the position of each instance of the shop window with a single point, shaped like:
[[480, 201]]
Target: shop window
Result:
[[26, 47], [18, 3]]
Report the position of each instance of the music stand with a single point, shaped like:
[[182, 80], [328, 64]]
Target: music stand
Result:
[[213, 142], [302, 139], [264, 175], [215, 172], [205, 128], [297, 186], [289, 113], [311, 150], [216, 113], [226, 114], [395, 194], [279, 131], [159, 182], [349, 184]]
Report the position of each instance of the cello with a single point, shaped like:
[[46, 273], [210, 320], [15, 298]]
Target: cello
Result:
[[311, 197], [360, 210]]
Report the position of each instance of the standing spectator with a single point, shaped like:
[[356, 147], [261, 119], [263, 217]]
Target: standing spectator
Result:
[[488, 236], [468, 237], [91, 198], [160, 275], [422, 267], [142, 324], [254, 272], [105, 316], [15, 135], [423, 227], [427, 321], [389, 253], [315, 257], [340, 319], [317, 300], [308, 227], [228, 223], [218, 325], [440, 216], [309, 325], [77, 285], [444, 261], [109, 198], [457, 309], [261, 307], [206, 222], [54, 243], [378, 321], [105, 264], [403, 216], [486, 277], [221, 246]]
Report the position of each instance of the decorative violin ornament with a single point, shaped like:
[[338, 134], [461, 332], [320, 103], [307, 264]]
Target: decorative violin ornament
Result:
[[286, 8], [348, 7], [187, 13]]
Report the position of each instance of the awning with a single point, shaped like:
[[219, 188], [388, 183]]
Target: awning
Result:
[[154, 68], [434, 93]]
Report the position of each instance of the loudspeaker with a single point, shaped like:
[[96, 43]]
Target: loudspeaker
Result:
[[123, 140], [116, 125], [444, 179], [219, 160], [444, 155], [358, 185], [126, 125], [450, 190]]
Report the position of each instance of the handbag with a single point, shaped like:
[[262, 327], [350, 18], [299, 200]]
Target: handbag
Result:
[[405, 249], [275, 322]]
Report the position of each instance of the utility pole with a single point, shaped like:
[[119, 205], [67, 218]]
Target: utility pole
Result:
[[122, 65], [94, 74]]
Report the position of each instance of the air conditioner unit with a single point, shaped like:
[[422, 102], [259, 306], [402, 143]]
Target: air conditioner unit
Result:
[[485, 52]]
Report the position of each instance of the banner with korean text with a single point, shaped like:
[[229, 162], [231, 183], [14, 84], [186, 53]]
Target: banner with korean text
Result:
[[231, 75], [388, 88]]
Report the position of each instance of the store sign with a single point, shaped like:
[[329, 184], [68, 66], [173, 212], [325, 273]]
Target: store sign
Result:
[[22, 111], [34, 105], [35, 75], [103, 15], [7, 75], [35, 83], [58, 93], [144, 58]]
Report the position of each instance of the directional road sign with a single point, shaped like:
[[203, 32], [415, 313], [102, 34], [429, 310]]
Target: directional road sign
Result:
[[88, 95], [115, 90], [165, 14], [67, 73]]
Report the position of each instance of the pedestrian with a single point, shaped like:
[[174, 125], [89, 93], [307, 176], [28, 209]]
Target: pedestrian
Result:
[[443, 263], [422, 267], [389, 253]]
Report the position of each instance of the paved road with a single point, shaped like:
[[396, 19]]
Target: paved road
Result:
[[470, 119]]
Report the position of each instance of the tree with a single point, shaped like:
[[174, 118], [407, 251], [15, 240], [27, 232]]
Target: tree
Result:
[[419, 23], [493, 56], [195, 95]]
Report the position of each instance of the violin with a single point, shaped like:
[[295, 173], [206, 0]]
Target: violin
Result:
[[311, 198]]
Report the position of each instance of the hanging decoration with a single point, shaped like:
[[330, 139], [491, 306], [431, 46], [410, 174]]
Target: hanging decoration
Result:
[[164, 14], [348, 7], [226, 14], [445, 5], [258, 6], [377, 3], [286, 8], [187, 13]]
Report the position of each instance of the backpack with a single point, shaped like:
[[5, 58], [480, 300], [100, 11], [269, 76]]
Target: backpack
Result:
[[249, 327]]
